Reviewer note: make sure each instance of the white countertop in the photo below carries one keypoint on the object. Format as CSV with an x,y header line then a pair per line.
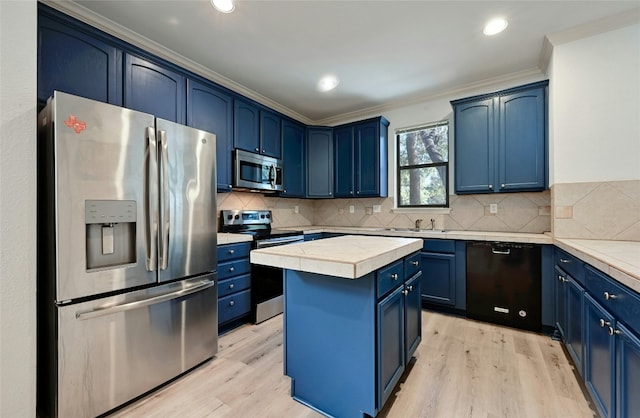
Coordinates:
x,y
225,238
347,256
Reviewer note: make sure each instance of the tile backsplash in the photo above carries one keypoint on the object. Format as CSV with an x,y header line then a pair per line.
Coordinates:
x,y
597,210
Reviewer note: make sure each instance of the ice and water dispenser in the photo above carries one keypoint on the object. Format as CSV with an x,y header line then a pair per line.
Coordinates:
x,y
110,233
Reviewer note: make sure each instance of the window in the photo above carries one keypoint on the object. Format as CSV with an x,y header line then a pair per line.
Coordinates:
x,y
423,165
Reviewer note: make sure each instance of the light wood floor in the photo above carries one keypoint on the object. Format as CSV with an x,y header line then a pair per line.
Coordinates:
x,y
462,368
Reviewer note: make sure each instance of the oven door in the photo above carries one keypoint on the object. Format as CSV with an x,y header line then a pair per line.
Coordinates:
x,y
256,172
267,298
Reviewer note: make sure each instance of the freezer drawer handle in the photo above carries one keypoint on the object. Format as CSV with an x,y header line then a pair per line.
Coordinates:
x,y
145,302
503,252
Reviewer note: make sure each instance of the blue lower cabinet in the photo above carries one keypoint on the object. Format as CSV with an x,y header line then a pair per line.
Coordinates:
x,y
234,284
439,278
233,306
600,356
627,373
347,342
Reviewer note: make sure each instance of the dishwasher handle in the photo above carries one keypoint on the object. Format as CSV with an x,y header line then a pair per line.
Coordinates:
x,y
502,252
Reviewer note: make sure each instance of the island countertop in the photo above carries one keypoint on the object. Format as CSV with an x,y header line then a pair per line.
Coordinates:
x,y
347,256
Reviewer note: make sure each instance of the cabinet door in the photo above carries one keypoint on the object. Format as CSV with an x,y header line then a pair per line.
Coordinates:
x,y
153,89
74,62
561,298
599,356
413,316
270,134
438,283
367,159
474,146
319,162
344,161
627,373
521,141
293,159
390,342
245,126
211,110
574,321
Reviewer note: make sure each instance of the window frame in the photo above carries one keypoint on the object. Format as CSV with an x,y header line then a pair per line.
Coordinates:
x,y
400,168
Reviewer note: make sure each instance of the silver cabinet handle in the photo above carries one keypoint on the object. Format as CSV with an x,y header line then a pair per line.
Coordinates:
x,y
564,260
231,286
231,303
144,302
405,292
410,288
609,296
151,199
613,331
491,187
415,263
603,323
232,251
232,268
502,186
257,149
394,276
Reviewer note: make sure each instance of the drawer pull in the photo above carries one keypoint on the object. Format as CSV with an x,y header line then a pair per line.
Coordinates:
x,y
410,288
394,276
232,251
613,332
231,303
232,268
415,263
231,286
609,296
564,260
603,323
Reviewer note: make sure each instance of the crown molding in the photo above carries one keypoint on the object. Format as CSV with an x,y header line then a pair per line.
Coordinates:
x,y
89,17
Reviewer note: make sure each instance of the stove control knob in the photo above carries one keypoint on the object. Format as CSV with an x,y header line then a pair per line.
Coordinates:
x,y
268,216
262,216
237,217
229,217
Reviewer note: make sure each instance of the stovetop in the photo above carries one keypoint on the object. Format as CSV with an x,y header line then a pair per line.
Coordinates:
x,y
253,222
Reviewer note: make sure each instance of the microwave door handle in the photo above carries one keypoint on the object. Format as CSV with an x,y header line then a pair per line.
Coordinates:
x,y
272,176
151,199
164,202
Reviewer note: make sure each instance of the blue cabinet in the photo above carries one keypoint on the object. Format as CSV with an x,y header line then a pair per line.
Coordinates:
x,y
256,130
390,342
293,159
360,159
501,141
234,284
211,109
600,356
155,89
627,373
443,280
319,162
75,61
412,315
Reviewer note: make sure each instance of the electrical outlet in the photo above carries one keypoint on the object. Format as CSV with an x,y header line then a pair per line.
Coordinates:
x,y
368,210
296,209
377,209
493,208
352,209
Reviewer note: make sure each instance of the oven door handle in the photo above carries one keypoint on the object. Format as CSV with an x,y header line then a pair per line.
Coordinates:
x,y
272,243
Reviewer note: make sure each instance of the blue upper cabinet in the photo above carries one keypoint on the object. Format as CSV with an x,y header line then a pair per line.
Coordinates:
x,y
501,141
75,62
270,134
343,147
211,110
151,88
319,162
246,123
293,159
360,159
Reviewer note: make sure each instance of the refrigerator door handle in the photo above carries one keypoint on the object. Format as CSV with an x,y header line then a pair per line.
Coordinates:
x,y
151,199
164,201
144,302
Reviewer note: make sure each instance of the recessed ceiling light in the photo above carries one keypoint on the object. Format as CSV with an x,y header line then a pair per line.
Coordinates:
x,y
224,6
328,82
495,26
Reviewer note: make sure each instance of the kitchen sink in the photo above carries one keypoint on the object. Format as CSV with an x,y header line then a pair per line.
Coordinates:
x,y
412,230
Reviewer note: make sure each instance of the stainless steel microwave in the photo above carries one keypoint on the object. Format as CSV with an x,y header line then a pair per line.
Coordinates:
x,y
256,172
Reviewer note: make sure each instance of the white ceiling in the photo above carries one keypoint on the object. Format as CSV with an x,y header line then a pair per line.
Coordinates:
x,y
384,52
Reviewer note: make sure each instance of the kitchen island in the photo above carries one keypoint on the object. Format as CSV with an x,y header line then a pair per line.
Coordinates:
x,y
352,319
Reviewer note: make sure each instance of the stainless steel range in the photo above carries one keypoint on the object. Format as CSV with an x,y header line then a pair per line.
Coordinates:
x,y
266,282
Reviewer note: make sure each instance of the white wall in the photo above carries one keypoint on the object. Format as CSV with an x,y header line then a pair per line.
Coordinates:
x,y
595,105
18,30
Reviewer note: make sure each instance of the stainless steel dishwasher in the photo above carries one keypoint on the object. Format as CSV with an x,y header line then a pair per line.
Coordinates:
x,y
504,284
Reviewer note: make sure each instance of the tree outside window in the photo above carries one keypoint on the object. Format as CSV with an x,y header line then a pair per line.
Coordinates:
x,y
423,165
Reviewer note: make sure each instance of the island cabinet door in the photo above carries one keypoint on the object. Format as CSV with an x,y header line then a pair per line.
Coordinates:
x,y
390,341
627,373
413,316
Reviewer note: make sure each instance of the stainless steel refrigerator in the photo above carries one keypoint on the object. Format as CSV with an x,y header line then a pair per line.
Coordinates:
x,y
127,295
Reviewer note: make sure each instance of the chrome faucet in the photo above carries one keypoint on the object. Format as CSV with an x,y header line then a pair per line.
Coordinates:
x,y
418,222
433,224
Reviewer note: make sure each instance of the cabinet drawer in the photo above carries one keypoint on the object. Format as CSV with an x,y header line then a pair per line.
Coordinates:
x,y
569,264
439,245
390,277
233,251
622,302
233,285
411,265
234,306
233,268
